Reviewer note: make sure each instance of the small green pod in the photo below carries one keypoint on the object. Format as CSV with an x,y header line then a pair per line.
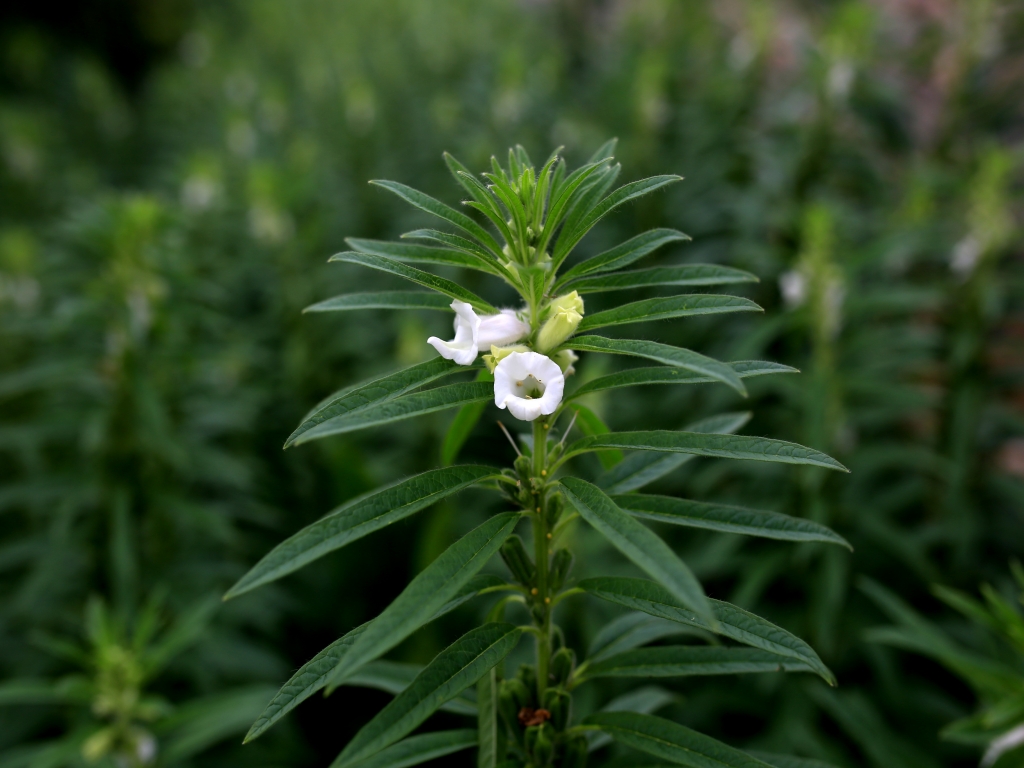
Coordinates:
x,y
559,703
518,561
561,565
562,664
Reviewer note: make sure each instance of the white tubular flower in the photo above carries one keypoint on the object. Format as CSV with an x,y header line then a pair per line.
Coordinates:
x,y
475,333
528,384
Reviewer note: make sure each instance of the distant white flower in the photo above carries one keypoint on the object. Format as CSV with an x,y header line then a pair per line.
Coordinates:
x,y
1009,740
475,333
528,384
793,286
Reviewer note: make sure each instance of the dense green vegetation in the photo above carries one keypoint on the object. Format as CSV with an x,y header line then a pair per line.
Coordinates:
x,y
160,239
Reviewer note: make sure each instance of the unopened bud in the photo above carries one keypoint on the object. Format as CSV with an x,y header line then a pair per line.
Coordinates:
x,y
500,353
565,360
564,316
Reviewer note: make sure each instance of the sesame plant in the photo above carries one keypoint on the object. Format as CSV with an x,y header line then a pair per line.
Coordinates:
x,y
523,358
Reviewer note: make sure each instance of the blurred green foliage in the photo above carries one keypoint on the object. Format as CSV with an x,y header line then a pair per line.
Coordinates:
x,y
157,247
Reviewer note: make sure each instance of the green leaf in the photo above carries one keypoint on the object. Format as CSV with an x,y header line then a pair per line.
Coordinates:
x,y
689,660
375,391
591,424
662,353
562,193
727,519
734,623
639,543
437,208
589,196
643,467
420,749
356,519
567,240
786,761
719,446
605,152
399,408
313,675
645,700
462,425
670,741
200,723
641,376
632,630
395,676
418,276
456,668
422,254
686,274
667,307
461,244
621,255
488,728
438,583
382,300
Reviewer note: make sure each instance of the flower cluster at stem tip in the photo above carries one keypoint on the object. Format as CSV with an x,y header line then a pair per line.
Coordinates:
x,y
526,382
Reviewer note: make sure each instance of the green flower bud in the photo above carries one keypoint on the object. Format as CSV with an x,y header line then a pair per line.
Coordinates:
x,y
514,554
565,360
562,664
561,564
540,743
564,315
500,353
559,704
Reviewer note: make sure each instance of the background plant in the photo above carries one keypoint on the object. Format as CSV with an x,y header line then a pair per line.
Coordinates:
x,y
254,130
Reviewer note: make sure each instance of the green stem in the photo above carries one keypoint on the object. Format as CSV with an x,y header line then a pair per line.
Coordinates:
x,y
541,558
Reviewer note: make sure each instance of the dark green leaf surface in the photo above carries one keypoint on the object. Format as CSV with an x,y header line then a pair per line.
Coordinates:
x,y
404,407
456,668
645,700
786,761
421,254
437,208
395,676
632,630
670,741
720,446
665,308
689,660
438,583
642,467
419,749
356,519
661,375
567,240
313,675
662,353
639,543
734,623
686,274
382,300
488,727
461,244
727,519
418,276
621,255
377,390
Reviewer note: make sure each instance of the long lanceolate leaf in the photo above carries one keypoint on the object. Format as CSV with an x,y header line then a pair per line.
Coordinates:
x,y
670,741
785,761
488,727
313,675
375,391
418,276
642,467
687,274
638,543
419,749
621,255
437,208
662,353
382,300
457,243
635,377
727,519
395,676
422,254
456,668
689,660
358,518
438,583
632,630
625,193
719,446
664,308
404,407
733,622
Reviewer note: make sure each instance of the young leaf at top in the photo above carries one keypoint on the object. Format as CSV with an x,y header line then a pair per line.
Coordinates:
x,y
453,670
356,519
639,544
438,583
